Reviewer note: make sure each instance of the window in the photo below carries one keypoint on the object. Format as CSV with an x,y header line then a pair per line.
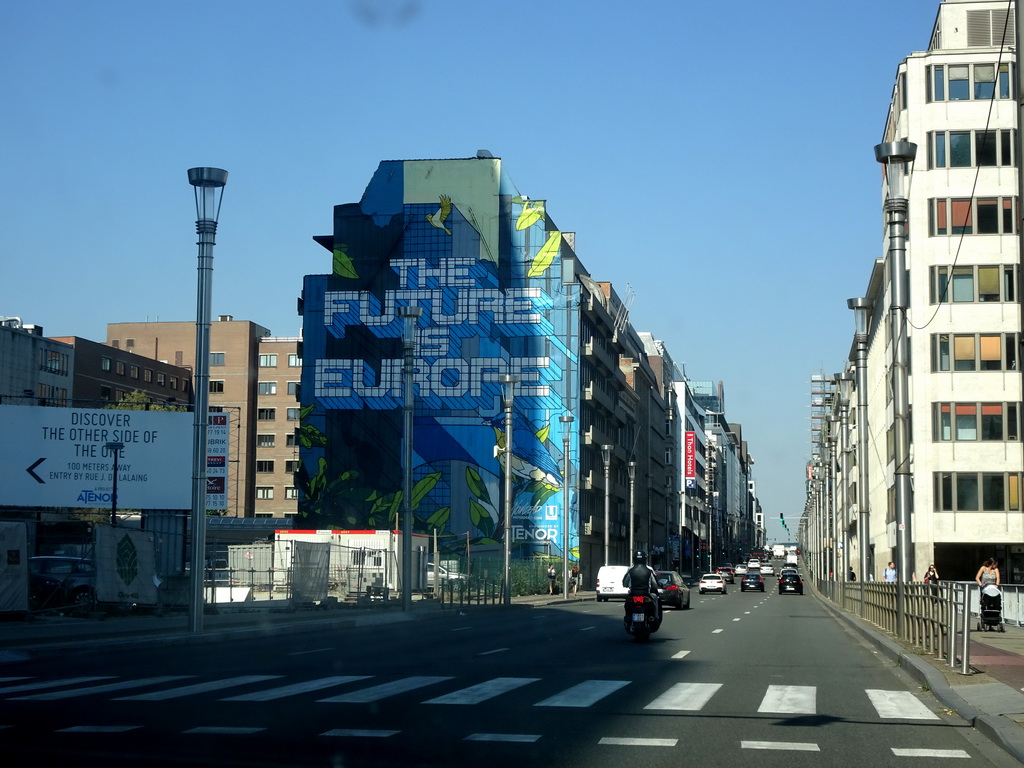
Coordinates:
x,y
965,82
294,361
268,387
974,352
147,375
266,414
265,466
161,379
980,283
264,492
216,386
268,361
293,388
291,493
105,393
975,421
976,491
959,82
265,441
133,371
291,467
216,358
119,368
174,382
291,440
985,147
964,216
293,414
105,363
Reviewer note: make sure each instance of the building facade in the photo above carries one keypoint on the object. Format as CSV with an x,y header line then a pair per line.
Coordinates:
x,y
956,101
34,369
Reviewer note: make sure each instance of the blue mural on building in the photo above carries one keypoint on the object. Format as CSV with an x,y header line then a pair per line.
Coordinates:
x,y
454,238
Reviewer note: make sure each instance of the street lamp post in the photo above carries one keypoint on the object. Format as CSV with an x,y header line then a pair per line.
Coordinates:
x,y
114,449
508,383
567,421
208,184
631,470
895,156
861,314
606,457
409,314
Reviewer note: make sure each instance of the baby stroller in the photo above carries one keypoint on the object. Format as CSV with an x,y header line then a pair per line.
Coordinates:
x,y
991,614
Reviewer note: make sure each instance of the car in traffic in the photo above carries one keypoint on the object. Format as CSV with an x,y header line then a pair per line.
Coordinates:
x,y
740,569
673,590
711,582
59,581
767,569
791,583
609,582
728,573
752,581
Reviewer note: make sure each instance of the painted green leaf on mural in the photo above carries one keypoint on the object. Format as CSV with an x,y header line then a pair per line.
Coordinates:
x,y
486,526
543,432
477,512
440,518
343,265
424,486
543,494
545,255
530,214
476,485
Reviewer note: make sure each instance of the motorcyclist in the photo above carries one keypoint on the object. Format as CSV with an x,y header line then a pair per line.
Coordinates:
x,y
642,580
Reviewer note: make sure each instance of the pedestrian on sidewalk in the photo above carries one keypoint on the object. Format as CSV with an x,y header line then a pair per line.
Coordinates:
x,y
552,574
988,574
931,576
889,574
574,578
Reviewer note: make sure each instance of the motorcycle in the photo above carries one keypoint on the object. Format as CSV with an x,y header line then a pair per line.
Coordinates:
x,y
641,619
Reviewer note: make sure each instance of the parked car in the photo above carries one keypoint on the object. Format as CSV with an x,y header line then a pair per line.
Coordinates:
x,y
728,573
711,582
446,576
752,581
791,582
59,581
609,582
673,590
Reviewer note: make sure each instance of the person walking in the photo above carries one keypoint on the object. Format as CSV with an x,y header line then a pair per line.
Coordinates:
x,y
988,574
552,574
889,574
851,575
574,578
931,576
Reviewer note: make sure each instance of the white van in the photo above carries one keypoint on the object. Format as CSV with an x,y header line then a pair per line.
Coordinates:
x,y
609,582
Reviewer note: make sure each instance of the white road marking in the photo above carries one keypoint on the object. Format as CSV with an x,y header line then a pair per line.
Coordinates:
x,y
461,629
359,732
622,741
483,691
188,690
519,737
106,688
736,619
716,631
382,691
795,746
930,753
291,690
680,655
587,629
99,728
583,695
315,650
496,650
224,729
52,684
11,679
899,705
685,696
789,700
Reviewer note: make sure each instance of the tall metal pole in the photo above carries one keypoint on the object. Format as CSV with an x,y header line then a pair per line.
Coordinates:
x,y
861,308
508,391
209,191
606,457
631,469
567,421
410,315
895,156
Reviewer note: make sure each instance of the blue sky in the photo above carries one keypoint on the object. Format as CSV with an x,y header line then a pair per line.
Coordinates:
x,y
715,158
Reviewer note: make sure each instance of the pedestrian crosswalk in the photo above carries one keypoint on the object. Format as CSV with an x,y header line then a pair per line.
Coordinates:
x,y
782,700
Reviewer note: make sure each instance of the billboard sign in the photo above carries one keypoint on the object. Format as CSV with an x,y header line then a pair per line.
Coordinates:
x,y
61,457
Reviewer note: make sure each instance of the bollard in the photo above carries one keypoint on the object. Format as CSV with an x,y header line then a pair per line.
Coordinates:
x,y
965,654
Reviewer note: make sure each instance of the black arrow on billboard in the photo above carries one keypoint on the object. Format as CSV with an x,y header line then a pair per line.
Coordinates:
x,y
38,479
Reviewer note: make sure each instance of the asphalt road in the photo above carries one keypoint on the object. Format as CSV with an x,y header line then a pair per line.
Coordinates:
x,y
739,679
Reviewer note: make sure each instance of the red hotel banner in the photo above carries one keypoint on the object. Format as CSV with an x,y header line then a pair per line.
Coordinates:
x,y
690,458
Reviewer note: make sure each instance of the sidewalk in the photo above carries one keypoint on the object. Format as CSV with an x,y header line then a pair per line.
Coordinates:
x,y
990,697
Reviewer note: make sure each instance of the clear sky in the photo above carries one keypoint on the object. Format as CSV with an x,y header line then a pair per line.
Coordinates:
x,y
714,158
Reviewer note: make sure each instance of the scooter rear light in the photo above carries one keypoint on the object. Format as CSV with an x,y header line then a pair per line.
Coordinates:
x,y
638,599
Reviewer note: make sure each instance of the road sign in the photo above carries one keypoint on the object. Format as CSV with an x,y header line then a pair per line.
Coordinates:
x,y
59,457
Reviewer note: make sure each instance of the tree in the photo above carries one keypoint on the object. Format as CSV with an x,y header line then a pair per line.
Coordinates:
x,y
137,400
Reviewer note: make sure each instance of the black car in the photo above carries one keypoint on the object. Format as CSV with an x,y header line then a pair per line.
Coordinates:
x,y
791,582
752,581
58,581
672,589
